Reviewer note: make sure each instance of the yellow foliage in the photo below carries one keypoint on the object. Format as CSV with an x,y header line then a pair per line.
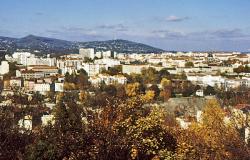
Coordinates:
x,y
69,86
59,96
82,96
132,89
149,96
165,82
210,139
149,132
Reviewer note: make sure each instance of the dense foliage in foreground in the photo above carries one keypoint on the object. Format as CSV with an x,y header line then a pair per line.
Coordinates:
x,y
122,129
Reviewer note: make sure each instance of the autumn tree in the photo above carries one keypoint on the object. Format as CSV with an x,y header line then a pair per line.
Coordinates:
x,y
213,138
134,89
129,130
149,75
149,96
166,89
156,90
69,86
121,92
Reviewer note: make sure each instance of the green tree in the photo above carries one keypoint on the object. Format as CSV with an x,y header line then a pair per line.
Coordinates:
x,y
64,139
163,73
12,141
189,64
113,70
82,79
149,75
209,90
12,71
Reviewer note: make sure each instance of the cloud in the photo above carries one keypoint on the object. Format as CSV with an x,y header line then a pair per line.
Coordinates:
x,y
173,18
230,34
220,34
75,29
116,27
39,13
168,34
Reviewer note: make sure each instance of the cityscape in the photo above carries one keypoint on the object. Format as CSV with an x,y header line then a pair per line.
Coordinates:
x,y
117,92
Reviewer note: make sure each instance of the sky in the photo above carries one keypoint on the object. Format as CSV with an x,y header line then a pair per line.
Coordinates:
x,y
181,25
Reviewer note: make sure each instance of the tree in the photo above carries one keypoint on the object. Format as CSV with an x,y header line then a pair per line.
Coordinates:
x,y
12,141
121,92
150,137
88,60
132,89
83,96
67,77
110,90
165,83
129,130
64,139
149,75
163,73
167,89
83,72
212,138
12,71
133,78
242,69
82,79
69,86
113,70
189,64
149,96
156,90
209,90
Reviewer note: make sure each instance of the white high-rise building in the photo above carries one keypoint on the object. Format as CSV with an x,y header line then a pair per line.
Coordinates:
x,y
87,52
21,57
107,54
93,69
4,68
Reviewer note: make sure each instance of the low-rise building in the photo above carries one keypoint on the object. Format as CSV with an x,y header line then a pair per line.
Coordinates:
x,y
58,87
29,74
46,119
29,85
15,82
41,87
108,79
26,122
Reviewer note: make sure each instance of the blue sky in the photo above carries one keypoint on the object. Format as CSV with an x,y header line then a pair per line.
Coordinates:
x,y
186,25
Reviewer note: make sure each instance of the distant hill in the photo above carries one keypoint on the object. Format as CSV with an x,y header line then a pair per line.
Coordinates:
x,y
51,45
121,46
7,43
